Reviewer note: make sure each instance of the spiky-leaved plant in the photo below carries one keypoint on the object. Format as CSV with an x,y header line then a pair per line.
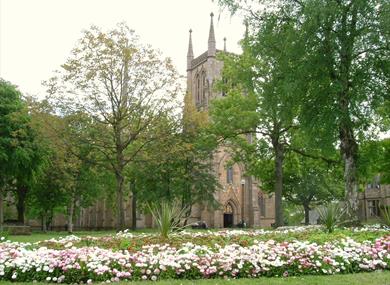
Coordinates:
x,y
330,216
167,216
385,215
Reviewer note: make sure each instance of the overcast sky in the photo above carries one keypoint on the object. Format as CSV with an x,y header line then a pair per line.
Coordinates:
x,y
37,36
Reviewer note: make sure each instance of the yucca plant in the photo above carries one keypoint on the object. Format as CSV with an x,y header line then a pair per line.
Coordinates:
x,y
167,216
385,215
330,216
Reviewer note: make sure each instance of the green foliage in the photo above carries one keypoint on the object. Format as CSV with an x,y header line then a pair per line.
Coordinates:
x,y
329,59
167,216
330,216
21,155
385,215
126,88
178,165
4,234
262,102
309,182
293,214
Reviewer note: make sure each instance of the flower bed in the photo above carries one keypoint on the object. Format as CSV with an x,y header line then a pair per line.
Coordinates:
x,y
25,262
135,241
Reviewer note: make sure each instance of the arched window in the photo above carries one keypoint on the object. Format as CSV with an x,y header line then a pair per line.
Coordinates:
x,y
229,175
204,88
198,87
224,86
228,209
262,205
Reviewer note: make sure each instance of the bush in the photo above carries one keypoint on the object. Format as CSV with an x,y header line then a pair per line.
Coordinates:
x,y
385,215
167,216
330,216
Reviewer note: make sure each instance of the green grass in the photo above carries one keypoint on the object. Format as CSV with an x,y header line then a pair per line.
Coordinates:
x,y
374,278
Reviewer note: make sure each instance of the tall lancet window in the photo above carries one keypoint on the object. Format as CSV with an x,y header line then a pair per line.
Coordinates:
x,y
197,90
261,202
229,175
204,88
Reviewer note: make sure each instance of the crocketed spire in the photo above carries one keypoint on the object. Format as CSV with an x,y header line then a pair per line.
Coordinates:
x,y
190,53
211,47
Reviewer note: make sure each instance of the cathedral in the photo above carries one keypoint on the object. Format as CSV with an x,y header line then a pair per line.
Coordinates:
x,y
240,197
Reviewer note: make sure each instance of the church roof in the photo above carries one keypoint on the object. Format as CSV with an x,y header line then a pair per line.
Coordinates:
x,y
201,59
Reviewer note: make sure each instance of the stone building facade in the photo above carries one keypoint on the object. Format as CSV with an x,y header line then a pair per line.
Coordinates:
x,y
375,196
241,198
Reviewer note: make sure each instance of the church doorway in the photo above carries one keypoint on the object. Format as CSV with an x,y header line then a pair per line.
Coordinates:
x,y
228,221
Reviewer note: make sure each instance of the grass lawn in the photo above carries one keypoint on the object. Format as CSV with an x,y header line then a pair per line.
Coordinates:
x,y
374,278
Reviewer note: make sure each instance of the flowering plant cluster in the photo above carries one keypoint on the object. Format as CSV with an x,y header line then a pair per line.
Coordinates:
x,y
22,262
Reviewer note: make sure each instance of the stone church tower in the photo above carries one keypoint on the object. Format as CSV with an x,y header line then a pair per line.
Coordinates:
x,y
240,198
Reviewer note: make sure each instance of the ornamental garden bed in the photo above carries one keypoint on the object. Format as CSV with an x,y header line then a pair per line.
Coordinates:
x,y
197,255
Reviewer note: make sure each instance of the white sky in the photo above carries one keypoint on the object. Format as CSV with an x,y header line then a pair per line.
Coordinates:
x,y
37,36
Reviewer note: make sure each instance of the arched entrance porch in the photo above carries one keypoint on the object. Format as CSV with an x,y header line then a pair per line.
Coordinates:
x,y
228,215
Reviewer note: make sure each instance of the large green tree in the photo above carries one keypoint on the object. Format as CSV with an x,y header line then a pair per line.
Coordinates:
x,y
311,182
73,176
125,87
259,116
344,69
21,156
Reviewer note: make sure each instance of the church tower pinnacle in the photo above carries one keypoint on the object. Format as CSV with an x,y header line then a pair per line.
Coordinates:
x,y
190,53
211,44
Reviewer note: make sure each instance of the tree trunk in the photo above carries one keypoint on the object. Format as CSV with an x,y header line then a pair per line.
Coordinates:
x,y
44,221
49,220
349,150
307,213
21,192
121,212
278,187
70,213
133,206
349,146
1,209
351,188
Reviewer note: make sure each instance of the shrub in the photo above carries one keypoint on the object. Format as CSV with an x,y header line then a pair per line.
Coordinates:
x,y
330,216
167,216
3,235
385,215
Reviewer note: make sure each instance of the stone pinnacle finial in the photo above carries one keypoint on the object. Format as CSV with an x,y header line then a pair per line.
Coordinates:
x,y
211,44
224,44
190,53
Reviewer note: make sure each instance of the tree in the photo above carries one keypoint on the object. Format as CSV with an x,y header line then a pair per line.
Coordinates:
x,y
21,157
374,160
344,70
259,115
350,43
125,87
310,182
72,177
178,167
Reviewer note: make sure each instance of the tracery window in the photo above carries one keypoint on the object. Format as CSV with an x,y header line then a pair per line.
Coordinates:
x,y
229,175
261,202
204,88
228,209
198,87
